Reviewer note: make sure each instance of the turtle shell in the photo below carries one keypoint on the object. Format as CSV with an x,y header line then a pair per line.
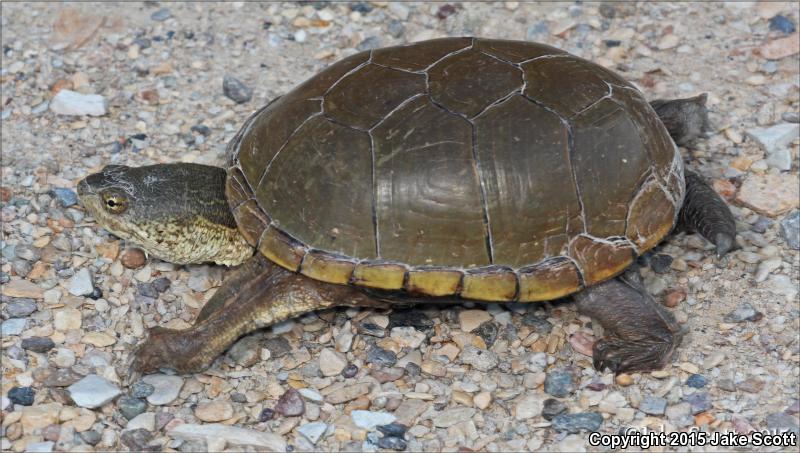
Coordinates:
x,y
491,170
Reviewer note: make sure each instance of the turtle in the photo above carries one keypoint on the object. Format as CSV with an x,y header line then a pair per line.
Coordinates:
x,y
448,170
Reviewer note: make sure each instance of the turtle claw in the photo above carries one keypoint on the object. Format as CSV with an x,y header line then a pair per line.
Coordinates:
x,y
724,243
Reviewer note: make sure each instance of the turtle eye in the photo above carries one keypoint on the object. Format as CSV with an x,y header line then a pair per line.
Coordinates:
x,y
115,203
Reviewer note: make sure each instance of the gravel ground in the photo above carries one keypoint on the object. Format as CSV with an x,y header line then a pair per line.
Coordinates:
x,y
77,300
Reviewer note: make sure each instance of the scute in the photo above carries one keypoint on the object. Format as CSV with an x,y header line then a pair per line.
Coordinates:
x,y
487,169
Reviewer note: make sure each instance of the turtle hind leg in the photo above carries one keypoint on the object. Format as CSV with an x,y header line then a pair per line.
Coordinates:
x,y
705,212
640,335
260,294
685,119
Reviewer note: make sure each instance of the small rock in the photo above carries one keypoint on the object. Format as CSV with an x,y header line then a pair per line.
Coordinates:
x,y
38,344
68,102
559,383
766,267
653,405
668,42
779,422
790,230
744,312
142,389
146,421
133,258
235,90
166,388
131,407
696,381
539,324
407,337
136,439
350,371
381,357
699,401
488,332
331,362
552,407
678,411
67,197
22,288
775,137
81,283
214,411
13,326
313,431
245,352
369,420
290,404
93,391
528,407
393,429
660,263
482,400
232,436
770,194
471,319
392,443
782,24
751,385
481,360
575,423
39,447
91,437
21,395
450,417
266,415
161,15
277,347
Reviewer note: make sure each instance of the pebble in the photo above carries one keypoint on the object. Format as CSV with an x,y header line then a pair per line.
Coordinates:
x,y
81,283
350,371
775,137
782,24
660,263
331,362
133,258
744,312
481,360
761,225
575,423
559,383
266,415
790,230
313,431
751,385
780,159
766,267
130,407
231,435
146,421
393,429
68,102
21,395
290,404
696,381
245,352
67,197
482,400
552,407
770,194
469,320
22,288
38,344
653,405
450,417
699,401
529,406
381,357
39,447
215,411
165,388
93,391
235,90
13,326
161,15
781,421
369,420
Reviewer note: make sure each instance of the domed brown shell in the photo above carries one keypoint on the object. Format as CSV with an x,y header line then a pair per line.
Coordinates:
x,y
492,170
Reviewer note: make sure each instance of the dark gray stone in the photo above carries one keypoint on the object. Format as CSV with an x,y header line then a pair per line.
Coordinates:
x,y
700,402
781,421
236,90
744,312
20,307
22,395
130,407
790,230
559,383
653,405
161,15
38,344
381,357
142,389
575,423
553,407
67,197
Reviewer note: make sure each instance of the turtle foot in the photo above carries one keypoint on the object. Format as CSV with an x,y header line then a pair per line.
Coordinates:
x,y
624,356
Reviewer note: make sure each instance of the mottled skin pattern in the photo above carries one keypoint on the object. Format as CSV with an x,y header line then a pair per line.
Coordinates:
x,y
640,334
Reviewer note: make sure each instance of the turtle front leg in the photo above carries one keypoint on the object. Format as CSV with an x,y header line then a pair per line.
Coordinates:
x,y
640,335
705,212
258,295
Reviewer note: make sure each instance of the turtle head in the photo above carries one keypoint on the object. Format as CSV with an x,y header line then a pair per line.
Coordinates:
x,y
176,212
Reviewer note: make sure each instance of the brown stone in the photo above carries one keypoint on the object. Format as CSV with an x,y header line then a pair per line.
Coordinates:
x,y
770,194
674,297
133,258
22,288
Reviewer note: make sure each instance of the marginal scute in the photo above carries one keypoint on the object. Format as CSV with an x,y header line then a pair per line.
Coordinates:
x,y
609,163
550,279
281,248
650,216
418,56
601,259
345,104
386,276
490,284
515,51
433,282
520,163
468,82
307,194
327,268
251,220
